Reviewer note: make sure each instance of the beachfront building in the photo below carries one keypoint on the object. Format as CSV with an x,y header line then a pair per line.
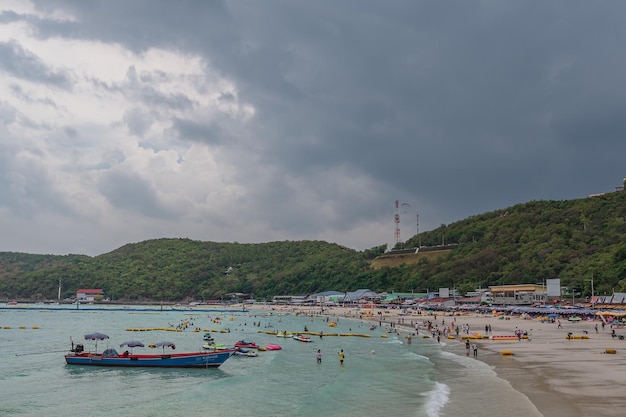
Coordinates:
x,y
615,301
289,299
89,294
328,298
403,298
521,294
361,296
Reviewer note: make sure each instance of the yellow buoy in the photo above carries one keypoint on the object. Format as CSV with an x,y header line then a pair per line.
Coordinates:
x,y
610,351
507,353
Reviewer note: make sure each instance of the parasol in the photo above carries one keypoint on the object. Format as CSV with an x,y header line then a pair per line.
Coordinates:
x,y
96,337
132,344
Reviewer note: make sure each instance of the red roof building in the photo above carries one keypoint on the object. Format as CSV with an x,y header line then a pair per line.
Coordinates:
x,y
87,294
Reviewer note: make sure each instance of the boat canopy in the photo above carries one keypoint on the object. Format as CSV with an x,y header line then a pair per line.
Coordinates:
x,y
110,353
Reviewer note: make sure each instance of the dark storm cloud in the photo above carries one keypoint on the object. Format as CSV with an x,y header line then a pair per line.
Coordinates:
x,y
140,87
194,131
132,193
21,63
460,106
139,24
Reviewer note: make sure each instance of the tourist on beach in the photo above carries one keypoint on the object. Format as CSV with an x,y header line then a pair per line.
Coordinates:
x,y
596,327
341,356
319,356
467,347
475,349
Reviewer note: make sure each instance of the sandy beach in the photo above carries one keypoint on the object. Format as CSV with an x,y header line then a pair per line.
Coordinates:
x,y
560,376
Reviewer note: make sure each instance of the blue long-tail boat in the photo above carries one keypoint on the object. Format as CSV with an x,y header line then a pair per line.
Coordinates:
x,y
110,357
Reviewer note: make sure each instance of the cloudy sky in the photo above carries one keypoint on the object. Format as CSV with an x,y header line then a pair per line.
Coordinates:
x,y
266,120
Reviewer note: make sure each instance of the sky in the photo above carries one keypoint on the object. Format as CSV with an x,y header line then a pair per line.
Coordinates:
x,y
256,121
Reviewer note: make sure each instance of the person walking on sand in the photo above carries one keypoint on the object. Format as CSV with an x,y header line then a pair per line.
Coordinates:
x,y
341,357
319,356
467,347
475,349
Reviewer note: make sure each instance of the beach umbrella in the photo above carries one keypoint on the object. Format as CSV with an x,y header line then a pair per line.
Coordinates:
x,y
132,344
96,337
553,315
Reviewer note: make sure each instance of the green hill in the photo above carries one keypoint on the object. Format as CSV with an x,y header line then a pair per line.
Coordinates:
x,y
526,243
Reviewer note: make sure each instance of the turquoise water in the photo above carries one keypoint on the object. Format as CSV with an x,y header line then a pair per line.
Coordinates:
x,y
379,375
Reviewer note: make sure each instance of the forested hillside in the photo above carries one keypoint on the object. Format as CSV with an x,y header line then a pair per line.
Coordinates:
x,y
527,243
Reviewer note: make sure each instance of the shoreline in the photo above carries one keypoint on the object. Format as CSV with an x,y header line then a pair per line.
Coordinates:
x,y
560,376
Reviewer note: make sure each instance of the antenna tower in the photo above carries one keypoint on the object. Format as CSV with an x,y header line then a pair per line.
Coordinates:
x,y
417,215
397,223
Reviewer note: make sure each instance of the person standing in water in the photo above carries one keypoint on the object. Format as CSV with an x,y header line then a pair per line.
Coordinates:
x,y
341,357
319,356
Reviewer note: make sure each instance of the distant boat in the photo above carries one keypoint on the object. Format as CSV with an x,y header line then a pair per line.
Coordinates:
x,y
245,352
214,346
244,344
271,346
301,338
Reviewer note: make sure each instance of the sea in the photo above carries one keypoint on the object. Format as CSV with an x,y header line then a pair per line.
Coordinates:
x,y
381,376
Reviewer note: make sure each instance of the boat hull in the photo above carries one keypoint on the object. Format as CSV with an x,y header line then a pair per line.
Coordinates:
x,y
175,360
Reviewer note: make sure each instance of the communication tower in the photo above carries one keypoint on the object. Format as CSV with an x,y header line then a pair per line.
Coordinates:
x,y
397,223
417,216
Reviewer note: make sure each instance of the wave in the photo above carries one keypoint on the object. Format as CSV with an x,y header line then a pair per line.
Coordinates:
x,y
437,399
418,356
475,366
